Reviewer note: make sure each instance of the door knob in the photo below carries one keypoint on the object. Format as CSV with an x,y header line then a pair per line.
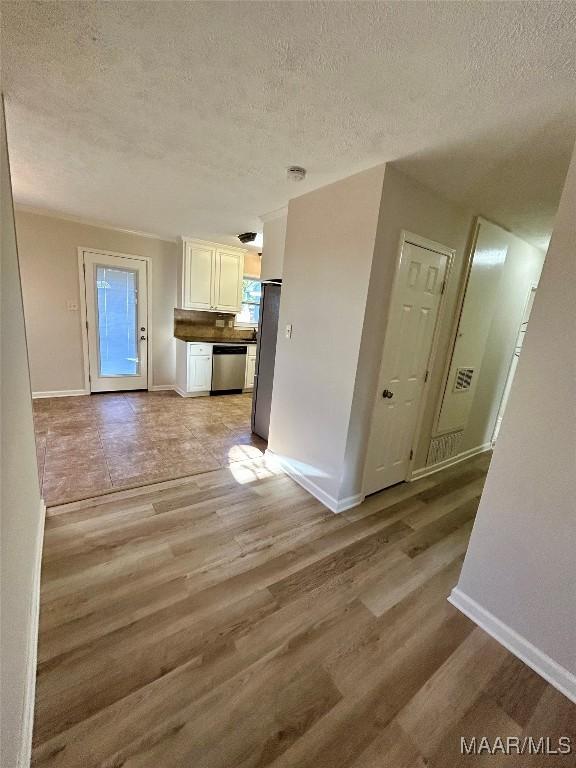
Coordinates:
x,y
387,393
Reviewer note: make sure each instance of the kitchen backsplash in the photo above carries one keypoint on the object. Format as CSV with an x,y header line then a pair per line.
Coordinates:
x,y
194,325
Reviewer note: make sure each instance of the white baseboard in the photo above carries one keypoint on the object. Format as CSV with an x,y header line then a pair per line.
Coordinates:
x,y
61,393
182,393
333,504
537,660
161,388
430,470
25,755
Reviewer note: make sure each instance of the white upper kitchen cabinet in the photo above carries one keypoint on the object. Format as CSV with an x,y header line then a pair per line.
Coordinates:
x,y
211,276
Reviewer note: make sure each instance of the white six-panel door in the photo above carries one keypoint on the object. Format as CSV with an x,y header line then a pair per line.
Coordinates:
x,y
413,313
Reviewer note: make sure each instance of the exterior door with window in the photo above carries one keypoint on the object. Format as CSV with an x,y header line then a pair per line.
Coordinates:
x,y
407,348
117,321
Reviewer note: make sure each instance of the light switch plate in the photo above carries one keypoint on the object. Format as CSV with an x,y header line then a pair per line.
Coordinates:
x,y
289,331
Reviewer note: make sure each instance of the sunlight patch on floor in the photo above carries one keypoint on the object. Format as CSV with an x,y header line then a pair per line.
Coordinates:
x,y
249,471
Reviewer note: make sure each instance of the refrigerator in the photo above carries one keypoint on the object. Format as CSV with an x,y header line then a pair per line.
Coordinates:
x,y
265,357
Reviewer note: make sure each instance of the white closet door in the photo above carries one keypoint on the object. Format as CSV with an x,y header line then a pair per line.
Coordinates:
x,y
407,348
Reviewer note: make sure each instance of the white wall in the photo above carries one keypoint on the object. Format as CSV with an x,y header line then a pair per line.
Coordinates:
x,y
252,264
341,250
274,236
49,262
330,242
21,509
520,566
406,204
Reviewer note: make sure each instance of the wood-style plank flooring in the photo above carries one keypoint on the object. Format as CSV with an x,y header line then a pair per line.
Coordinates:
x,y
228,620
96,444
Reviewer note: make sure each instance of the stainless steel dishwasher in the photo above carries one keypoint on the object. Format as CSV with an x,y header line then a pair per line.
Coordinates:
x,y
228,369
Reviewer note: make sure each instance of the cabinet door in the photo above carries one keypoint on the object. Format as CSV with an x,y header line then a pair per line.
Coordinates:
x,y
199,274
250,372
199,373
229,275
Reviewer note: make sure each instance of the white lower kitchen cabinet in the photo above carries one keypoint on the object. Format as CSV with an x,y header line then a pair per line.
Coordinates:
x,y
250,367
193,368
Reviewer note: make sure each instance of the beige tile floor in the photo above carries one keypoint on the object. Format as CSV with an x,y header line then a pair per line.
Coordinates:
x,y
100,443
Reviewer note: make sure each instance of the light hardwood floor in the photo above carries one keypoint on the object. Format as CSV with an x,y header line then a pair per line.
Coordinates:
x,y
230,621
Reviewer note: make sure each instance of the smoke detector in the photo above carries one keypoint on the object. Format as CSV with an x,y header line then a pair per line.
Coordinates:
x,y
295,173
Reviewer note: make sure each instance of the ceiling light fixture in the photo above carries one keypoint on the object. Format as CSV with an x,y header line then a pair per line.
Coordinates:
x,y
247,237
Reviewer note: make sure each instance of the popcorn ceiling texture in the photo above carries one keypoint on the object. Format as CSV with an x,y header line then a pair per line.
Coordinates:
x,y
180,118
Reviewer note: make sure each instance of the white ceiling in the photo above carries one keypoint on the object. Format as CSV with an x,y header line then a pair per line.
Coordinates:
x,y
181,117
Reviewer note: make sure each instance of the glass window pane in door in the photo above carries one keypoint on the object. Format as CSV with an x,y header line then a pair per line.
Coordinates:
x,y
117,321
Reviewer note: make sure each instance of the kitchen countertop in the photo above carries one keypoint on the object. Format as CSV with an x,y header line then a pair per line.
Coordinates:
x,y
196,340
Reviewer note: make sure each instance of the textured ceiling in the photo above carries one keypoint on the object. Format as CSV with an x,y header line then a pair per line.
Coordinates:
x,y
181,117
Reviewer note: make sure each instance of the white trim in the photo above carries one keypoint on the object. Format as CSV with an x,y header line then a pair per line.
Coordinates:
x,y
540,662
60,393
430,470
161,387
511,375
183,393
425,242
90,222
272,215
84,312
333,504
83,320
150,321
212,244
25,754
449,253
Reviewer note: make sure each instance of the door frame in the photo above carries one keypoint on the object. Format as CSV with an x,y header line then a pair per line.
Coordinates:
x,y
84,312
410,238
510,376
459,308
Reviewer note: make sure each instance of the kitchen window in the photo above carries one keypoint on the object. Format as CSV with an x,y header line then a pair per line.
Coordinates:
x,y
251,294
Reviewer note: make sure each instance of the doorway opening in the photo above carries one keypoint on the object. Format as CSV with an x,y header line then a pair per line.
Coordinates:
x,y
498,289
514,362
